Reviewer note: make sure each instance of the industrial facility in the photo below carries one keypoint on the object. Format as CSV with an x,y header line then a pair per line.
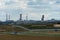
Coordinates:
x,y
21,21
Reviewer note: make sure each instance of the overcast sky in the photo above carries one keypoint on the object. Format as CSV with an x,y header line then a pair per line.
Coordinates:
x,y
33,8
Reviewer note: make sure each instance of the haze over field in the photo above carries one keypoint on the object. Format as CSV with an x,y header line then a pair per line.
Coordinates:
x,y
34,9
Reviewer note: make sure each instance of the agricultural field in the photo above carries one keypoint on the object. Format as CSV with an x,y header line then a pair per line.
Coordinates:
x,y
25,37
19,33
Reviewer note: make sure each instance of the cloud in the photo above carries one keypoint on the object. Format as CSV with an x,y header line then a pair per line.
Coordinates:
x,y
34,8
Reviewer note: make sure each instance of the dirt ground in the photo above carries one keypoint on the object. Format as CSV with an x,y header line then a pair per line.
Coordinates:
x,y
20,37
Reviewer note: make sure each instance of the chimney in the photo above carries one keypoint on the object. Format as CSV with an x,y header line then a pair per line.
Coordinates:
x,y
42,19
26,17
9,17
20,17
6,17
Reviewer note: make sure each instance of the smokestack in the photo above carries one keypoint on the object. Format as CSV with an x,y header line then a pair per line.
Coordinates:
x,y
9,17
6,17
20,17
26,17
42,19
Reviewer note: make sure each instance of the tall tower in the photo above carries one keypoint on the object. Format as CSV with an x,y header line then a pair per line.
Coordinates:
x,y
6,17
9,17
20,17
26,16
42,19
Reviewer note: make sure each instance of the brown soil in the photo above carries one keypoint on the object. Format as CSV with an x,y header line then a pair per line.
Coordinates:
x,y
58,32
20,37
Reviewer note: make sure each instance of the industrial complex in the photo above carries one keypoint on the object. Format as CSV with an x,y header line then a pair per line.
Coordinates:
x,y
21,21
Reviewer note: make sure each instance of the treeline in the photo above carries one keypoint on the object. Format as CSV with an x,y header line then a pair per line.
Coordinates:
x,y
39,26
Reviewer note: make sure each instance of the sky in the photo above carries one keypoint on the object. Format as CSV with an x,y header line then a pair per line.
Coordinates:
x,y
33,8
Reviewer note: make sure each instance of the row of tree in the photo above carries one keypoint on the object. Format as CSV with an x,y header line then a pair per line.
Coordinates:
x,y
42,26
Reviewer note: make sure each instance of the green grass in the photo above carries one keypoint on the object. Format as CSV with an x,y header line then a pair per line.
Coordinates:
x,y
29,33
38,34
